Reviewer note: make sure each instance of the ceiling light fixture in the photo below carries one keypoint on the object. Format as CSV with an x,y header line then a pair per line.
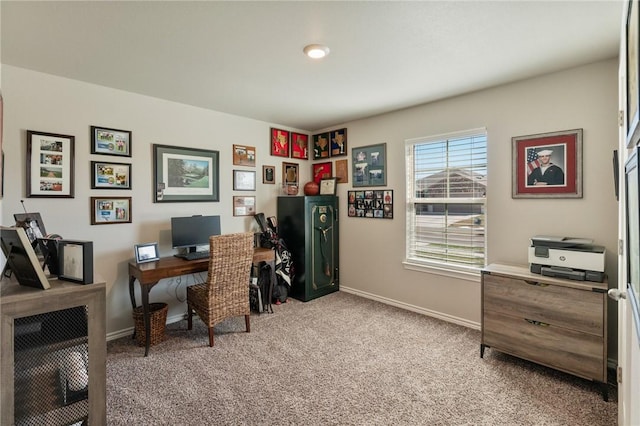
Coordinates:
x,y
316,51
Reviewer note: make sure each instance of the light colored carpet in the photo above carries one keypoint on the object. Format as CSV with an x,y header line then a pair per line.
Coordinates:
x,y
340,360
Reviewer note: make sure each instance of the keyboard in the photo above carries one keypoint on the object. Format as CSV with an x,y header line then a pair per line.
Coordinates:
x,y
194,255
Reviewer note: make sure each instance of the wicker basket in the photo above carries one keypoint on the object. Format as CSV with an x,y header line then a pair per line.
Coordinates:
x,y
157,321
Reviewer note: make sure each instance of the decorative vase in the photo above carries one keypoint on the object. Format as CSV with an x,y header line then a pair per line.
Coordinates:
x,y
311,188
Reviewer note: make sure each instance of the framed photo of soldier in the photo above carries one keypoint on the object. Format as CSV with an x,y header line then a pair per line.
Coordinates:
x,y
547,165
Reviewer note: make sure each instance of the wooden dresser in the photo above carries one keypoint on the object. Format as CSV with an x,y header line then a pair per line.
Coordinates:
x,y
554,322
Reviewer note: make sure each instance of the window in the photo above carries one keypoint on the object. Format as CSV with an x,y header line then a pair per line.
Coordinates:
x,y
446,194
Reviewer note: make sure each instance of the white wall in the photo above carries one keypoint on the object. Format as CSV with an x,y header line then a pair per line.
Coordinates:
x,y
36,101
371,250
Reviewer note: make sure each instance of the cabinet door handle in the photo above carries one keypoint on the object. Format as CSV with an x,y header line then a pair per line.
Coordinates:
x,y
538,323
536,283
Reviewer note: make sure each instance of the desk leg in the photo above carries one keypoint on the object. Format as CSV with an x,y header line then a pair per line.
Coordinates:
x,y
273,282
132,295
144,291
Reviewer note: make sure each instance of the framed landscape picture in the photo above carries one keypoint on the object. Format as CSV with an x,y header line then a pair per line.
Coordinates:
x,y
50,165
185,174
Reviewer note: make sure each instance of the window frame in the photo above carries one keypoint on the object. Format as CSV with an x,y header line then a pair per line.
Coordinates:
x,y
470,273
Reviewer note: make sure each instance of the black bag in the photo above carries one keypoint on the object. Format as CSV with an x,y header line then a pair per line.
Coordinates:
x,y
259,293
280,291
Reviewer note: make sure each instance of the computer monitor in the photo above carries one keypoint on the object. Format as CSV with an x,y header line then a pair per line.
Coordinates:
x,y
192,231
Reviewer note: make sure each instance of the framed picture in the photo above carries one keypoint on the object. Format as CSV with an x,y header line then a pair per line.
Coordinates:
x,y
299,146
32,224
328,186
75,261
269,174
49,249
289,173
342,171
633,93
338,142
279,142
105,211
321,171
244,155
547,165
244,180
377,204
110,175
146,252
110,141
244,206
369,165
185,174
50,159
21,258
321,146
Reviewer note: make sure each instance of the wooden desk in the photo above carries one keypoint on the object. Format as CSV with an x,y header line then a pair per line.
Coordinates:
x,y
149,274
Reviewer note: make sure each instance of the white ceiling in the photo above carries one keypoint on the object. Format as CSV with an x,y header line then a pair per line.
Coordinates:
x,y
245,58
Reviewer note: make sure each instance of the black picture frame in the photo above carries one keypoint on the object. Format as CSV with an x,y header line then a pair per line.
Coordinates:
x,y
328,186
107,141
147,252
49,249
338,140
50,165
22,261
370,203
108,175
33,224
185,174
75,261
110,210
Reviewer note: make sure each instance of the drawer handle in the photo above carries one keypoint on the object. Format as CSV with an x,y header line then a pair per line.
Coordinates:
x,y
538,323
536,283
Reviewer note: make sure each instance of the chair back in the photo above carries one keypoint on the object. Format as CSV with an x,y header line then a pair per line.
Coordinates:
x,y
230,260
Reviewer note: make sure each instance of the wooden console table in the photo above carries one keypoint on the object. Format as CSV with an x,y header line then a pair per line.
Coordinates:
x,y
149,274
40,329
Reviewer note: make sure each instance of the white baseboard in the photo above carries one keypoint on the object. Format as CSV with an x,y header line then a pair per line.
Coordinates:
x,y
439,315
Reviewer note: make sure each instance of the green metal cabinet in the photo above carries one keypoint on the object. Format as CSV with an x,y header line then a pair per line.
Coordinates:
x,y
309,227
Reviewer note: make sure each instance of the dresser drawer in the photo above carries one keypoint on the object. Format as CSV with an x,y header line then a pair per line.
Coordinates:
x,y
571,308
574,352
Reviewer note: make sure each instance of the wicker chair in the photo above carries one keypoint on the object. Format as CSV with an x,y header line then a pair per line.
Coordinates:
x,y
225,294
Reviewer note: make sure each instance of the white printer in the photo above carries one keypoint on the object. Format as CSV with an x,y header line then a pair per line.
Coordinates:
x,y
567,257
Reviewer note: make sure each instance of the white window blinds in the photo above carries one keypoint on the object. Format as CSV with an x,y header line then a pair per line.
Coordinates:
x,y
446,193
